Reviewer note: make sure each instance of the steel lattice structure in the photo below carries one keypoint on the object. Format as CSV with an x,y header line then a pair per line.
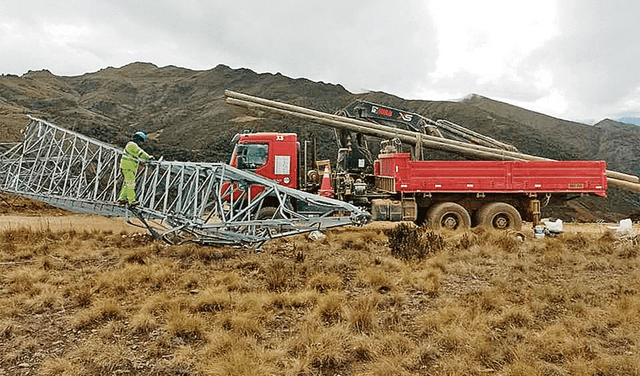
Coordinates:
x,y
209,203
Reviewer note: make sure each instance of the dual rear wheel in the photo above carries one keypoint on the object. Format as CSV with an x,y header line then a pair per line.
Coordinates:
x,y
452,216
449,216
500,216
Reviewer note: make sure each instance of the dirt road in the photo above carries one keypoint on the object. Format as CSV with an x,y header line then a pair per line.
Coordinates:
x,y
59,222
67,222
17,212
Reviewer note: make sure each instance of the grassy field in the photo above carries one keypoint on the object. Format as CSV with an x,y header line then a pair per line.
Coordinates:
x,y
362,301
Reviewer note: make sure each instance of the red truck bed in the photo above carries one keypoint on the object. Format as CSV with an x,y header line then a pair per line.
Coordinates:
x,y
397,173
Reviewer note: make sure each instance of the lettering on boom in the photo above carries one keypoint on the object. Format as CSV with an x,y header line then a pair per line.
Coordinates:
x,y
381,111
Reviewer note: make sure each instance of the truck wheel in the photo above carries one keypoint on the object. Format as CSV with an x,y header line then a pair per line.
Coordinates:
x,y
271,212
268,212
448,215
499,215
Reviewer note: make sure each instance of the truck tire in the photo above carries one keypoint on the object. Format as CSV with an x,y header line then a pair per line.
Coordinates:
x,y
268,212
448,215
271,212
499,215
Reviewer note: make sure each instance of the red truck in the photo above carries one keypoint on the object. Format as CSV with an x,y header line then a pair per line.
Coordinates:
x,y
447,194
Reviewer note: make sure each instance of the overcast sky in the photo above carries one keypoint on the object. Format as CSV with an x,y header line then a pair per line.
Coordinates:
x,y
573,59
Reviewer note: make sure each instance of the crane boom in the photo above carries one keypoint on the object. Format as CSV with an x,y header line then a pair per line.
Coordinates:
x,y
622,180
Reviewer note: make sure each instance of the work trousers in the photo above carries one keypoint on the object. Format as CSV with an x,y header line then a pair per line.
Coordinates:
x,y
128,191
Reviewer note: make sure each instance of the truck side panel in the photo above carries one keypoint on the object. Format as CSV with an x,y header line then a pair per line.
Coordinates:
x,y
560,176
403,175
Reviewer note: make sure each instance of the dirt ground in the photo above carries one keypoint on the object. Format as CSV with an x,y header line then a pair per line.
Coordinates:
x,y
17,212
86,223
90,223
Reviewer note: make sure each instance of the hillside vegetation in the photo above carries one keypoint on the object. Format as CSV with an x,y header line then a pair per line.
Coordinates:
x,y
184,112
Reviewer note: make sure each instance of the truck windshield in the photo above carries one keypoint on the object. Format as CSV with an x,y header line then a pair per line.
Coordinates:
x,y
251,156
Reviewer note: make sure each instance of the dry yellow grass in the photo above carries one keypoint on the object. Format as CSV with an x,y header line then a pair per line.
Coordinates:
x,y
482,302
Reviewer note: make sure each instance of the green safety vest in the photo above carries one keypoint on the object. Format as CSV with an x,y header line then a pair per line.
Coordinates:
x,y
132,152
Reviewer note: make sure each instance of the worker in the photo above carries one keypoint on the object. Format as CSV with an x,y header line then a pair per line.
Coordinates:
x,y
132,153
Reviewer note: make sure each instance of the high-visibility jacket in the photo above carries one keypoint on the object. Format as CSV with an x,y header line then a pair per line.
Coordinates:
x,y
132,152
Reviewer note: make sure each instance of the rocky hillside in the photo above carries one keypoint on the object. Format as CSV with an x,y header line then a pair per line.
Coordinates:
x,y
184,112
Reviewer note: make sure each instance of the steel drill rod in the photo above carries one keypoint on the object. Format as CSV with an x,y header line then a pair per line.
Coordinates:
x,y
295,110
384,131
631,186
374,129
364,130
477,137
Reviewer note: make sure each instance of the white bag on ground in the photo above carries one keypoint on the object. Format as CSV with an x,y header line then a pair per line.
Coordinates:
x,y
316,235
625,228
553,227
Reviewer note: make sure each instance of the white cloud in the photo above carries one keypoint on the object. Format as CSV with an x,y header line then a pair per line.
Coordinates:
x,y
553,103
490,48
572,59
65,34
489,39
595,59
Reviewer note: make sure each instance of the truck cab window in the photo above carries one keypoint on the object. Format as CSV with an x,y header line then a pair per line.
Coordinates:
x,y
252,156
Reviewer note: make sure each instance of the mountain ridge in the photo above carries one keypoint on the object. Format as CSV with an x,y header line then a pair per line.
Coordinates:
x,y
184,112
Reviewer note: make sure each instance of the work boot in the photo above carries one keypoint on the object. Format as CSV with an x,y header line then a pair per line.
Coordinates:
x,y
134,203
122,202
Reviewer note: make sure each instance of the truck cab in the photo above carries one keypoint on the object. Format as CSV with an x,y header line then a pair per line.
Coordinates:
x,y
272,155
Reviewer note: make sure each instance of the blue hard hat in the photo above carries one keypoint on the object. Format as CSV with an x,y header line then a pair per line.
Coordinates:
x,y
139,134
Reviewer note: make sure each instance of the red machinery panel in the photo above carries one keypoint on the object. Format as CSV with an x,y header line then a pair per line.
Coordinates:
x,y
404,175
272,155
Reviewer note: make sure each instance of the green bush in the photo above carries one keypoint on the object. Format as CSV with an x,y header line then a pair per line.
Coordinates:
x,y
409,242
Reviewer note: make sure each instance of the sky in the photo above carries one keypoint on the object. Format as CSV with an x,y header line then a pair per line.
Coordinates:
x,y
573,59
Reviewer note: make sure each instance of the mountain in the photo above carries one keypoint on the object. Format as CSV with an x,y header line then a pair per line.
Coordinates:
x,y
182,110
185,115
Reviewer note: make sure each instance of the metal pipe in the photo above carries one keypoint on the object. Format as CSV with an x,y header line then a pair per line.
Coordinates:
x,y
313,115
384,131
477,137
623,184
368,131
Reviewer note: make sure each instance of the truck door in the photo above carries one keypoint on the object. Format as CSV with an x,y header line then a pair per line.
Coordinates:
x,y
271,155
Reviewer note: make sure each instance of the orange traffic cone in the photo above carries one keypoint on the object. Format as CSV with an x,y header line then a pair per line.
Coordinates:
x,y
325,187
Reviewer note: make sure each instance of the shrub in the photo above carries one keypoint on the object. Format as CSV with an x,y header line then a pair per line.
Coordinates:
x,y
278,275
408,242
243,323
181,324
212,300
377,278
323,348
143,322
100,311
361,314
325,282
330,307
60,366
6,329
